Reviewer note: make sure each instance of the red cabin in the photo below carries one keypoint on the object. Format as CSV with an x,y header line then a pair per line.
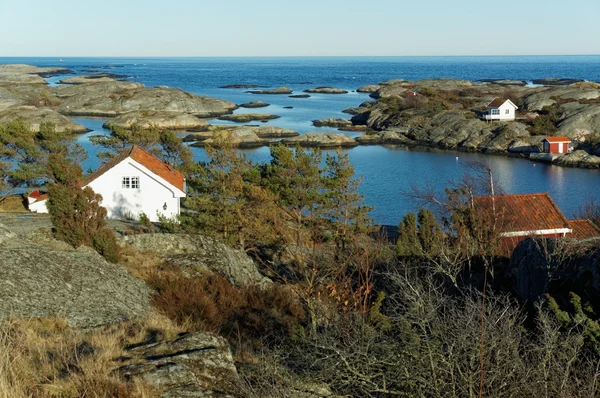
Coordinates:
x,y
556,144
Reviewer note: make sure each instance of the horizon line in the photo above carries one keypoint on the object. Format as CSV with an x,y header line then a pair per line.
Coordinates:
x,y
296,56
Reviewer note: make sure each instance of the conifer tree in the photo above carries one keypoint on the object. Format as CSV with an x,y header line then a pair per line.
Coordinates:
x,y
408,241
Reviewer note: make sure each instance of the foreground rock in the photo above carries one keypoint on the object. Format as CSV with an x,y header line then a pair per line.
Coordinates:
x,y
321,140
254,104
36,116
326,90
110,99
95,78
27,74
248,117
79,285
332,122
280,90
192,365
160,119
198,254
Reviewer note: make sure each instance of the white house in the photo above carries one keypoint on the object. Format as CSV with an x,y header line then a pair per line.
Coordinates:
x,y
132,183
501,109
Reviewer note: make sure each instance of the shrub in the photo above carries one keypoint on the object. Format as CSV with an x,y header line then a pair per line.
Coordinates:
x,y
105,243
145,220
245,316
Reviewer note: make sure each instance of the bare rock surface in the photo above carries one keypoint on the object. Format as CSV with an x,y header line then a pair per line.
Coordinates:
x,y
248,117
144,119
332,122
388,137
57,281
198,254
370,88
578,159
321,140
326,90
279,90
94,78
27,74
254,104
195,364
36,116
114,98
263,132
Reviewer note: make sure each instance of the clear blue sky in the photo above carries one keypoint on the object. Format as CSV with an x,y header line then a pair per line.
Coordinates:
x,y
297,27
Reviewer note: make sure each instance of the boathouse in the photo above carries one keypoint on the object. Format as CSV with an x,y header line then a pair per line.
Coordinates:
x,y
556,144
501,109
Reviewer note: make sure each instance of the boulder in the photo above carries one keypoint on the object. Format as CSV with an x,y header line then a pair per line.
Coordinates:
x,y
254,104
79,285
195,364
266,132
237,138
36,116
326,90
371,88
321,140
248,117
161,119
280,90
332,122
110,99
197,254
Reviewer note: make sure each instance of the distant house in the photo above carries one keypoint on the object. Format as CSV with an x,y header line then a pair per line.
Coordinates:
x,y
556,144
517,217
501,109
132,183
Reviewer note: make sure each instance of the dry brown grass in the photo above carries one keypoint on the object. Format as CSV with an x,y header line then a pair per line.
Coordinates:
x,y
141,264
12,204
47,358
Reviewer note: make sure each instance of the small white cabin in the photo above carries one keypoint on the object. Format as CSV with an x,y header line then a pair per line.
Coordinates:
x,y
501,109
132,183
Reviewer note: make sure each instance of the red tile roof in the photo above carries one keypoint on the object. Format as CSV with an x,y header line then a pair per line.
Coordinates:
x,y
584,229
159,168
497,102
557,139
38,196
35,194
521,213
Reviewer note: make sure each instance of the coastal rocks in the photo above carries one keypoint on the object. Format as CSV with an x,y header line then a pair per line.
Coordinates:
x,y
280,90
300,96
332,122
36,116
248,117
241,86
195,364
388,137
233,137
321,140
197,254
504,82
579,120
265,132
157,119
554,81
371,88
114,98
254,104
95,78
580,159
27,74
521,146
79,285
549,96
326,90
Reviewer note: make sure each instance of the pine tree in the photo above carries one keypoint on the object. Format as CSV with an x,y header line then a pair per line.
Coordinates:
x,y
408,240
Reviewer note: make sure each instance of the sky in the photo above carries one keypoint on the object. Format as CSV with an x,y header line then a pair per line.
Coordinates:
x,y
197,28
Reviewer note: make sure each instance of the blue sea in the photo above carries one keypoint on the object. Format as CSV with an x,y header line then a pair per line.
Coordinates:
x,y
388,173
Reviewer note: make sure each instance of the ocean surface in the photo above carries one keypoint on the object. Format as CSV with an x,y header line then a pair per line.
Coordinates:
x,y
388,173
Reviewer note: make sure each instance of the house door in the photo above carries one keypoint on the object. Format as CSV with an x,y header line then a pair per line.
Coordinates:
x,y
560,147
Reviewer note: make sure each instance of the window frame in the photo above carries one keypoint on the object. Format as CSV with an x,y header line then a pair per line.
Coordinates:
x,y
130,182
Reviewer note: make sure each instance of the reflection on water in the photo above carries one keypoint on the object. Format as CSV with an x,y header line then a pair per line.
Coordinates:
x,y
389,172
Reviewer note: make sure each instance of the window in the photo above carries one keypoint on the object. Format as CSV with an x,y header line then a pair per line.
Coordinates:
x,y
495,111
130,183
507,111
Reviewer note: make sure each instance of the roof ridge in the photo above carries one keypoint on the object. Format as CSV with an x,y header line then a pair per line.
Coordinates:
x,y
561,214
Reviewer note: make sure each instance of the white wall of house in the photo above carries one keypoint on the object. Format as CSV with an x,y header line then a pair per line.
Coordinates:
x,y
151,195
38,207
505,112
